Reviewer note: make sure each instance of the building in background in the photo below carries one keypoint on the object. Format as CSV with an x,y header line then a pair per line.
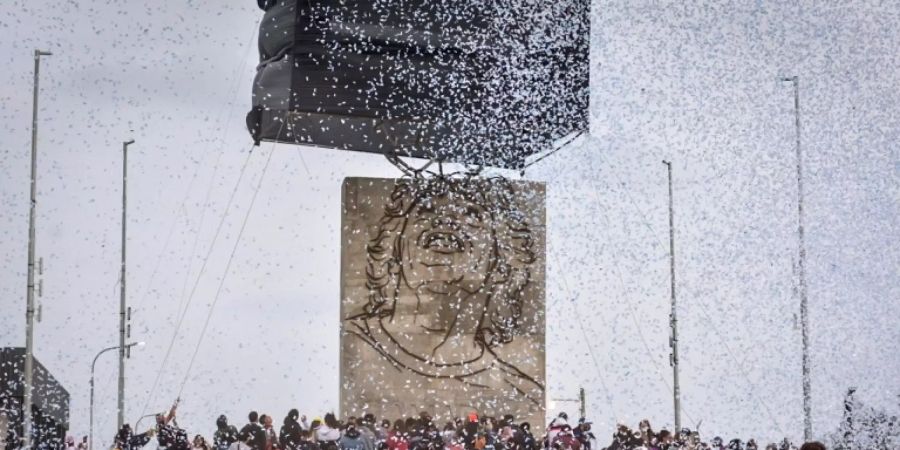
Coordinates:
x,y
50,404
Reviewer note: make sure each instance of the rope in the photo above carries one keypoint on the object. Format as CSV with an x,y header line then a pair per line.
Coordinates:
x,y
197,282
560,147
227,269
587,342
237,77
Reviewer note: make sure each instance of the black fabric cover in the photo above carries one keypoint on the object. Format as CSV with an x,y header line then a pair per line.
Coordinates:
x,y
484,82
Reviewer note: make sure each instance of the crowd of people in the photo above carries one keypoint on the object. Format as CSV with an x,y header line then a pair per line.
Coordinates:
x,y
422,432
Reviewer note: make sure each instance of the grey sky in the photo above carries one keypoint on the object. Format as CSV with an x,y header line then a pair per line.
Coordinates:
x,y
694,84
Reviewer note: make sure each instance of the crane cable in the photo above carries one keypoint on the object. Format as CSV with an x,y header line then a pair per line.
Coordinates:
x,y
225,275
237,77
587,342
197,282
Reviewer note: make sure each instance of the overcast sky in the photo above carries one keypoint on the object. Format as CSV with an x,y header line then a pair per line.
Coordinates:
x,y
698,85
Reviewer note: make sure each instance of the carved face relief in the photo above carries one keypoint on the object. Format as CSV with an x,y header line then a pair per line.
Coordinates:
x,y
447,295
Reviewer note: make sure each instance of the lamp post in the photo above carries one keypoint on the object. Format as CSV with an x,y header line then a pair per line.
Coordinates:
x,y
122,306
804,301
91,426
29,296
673,315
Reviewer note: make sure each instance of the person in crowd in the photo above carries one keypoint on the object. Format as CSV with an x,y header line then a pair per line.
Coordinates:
x,y
413,433
199,443
126,440
470,430
168,434
303,423
717,444
691,439
480,441
225,434
370,428
329,430
314,429
289,438
253,434
565,440
242,442
523,439
583,433
624,439
432,438
506,431
83,445
490,434
269,429
366,432
558,424
398,438
814,445
786,445
448,435
647,434
328,433
352,439
384,432
307,442
664,440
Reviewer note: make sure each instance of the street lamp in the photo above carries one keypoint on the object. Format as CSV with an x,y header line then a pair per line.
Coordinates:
x,y
91,428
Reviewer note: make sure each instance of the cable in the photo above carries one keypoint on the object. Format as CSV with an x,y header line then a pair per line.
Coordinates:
x,y
587,342
238,76
560,147
193,251
227,269
197,282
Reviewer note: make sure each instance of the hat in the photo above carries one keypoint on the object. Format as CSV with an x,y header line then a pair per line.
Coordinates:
x,y
583,421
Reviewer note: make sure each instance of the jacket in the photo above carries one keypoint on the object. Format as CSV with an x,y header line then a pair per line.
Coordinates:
x,y
352,440
289,437
257,436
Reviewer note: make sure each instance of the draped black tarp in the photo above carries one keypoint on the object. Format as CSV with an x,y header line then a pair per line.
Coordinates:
x,y
476,81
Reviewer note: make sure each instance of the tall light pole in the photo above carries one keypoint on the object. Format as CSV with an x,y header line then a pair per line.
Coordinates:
x,y
93,363
673,316
29,296
804,306
122,306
